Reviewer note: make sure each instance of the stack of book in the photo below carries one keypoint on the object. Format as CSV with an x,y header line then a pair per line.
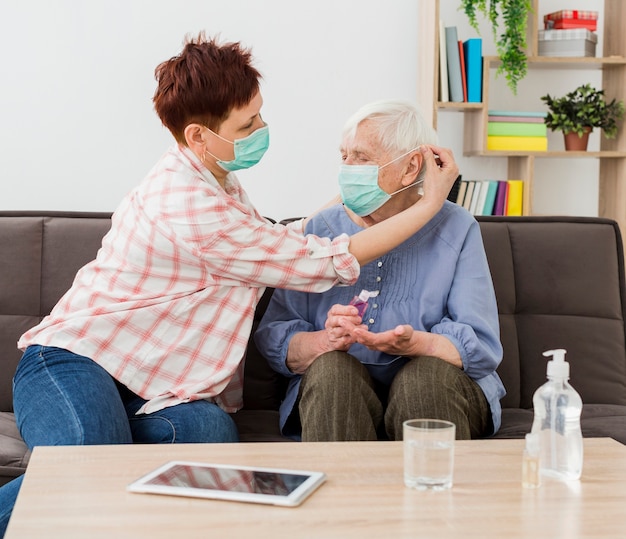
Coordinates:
x,y
517,131
491,197
460,67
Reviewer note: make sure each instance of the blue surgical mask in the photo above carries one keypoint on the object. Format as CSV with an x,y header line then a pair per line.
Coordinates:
x,y
359,189
248,150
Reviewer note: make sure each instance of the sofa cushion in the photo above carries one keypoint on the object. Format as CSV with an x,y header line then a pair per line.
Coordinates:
x,y
14,454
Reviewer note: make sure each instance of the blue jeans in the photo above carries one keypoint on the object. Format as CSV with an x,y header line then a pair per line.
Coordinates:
x,y
61,398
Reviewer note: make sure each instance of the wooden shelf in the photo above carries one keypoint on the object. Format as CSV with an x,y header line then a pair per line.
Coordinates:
x,y
612,153
569,62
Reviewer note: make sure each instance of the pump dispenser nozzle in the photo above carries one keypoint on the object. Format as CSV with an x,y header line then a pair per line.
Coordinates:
x,y
557,366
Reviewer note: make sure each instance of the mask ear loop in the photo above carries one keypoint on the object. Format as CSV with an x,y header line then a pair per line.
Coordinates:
x,y
400,157
416,182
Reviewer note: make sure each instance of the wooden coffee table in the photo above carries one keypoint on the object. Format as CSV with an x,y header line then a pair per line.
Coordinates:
x,y
80,492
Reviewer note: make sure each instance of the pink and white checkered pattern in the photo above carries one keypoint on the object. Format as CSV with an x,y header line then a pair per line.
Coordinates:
x,y
167,305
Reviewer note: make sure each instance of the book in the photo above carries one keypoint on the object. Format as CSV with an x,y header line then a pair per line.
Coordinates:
x,y
463,72
482,197
443,65
469,193
517,113
461,194
519,129
500,203
454,65
516,119
474,69
475,196
454,190
515,197
490,197
521,144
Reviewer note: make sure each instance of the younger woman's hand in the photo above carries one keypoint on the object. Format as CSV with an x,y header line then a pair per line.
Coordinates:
x,y
441,173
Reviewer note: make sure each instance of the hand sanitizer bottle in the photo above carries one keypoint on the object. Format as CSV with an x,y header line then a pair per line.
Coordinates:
x,y
360,301
557,421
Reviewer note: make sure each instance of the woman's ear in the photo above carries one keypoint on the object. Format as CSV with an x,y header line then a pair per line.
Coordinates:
x,y
193,138
413,167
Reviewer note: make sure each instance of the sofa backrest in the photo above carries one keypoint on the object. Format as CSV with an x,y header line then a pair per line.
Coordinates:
x,y
40,252
559,283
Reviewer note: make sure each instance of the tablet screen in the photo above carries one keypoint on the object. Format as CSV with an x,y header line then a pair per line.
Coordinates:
x,y
230,479
240,483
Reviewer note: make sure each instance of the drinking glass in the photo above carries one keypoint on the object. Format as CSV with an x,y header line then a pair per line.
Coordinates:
x,y
428,453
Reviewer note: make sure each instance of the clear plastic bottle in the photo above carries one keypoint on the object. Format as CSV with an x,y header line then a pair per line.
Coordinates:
x,y
557,421
531,462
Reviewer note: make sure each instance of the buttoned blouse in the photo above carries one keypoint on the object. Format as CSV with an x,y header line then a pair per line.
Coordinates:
x,y
437,281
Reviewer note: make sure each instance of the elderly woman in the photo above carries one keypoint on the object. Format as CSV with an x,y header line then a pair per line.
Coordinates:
x,y
147,344
428,343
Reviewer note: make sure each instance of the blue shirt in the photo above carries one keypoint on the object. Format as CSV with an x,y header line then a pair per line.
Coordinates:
x,y
438,281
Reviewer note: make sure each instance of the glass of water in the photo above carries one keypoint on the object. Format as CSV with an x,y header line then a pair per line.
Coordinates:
x,y
428,453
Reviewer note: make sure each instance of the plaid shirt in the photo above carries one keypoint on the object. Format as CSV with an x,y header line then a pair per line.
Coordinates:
x,y
167,305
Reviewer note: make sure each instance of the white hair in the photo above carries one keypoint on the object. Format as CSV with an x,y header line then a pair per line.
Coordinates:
x,y
401,126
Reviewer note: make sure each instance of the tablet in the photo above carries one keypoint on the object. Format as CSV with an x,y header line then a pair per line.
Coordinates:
x,y
225,482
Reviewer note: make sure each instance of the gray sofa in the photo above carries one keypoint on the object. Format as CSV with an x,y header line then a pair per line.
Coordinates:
x,y
559,283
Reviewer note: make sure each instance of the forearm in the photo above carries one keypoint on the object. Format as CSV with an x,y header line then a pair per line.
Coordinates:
x,y
431,344
375,241
304,348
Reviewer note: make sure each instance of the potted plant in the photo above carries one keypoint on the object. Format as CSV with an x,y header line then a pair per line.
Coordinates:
x,y
511,44
578,112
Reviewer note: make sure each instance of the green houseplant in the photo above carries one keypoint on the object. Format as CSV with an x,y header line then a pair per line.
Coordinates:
x,y
511,43
578,112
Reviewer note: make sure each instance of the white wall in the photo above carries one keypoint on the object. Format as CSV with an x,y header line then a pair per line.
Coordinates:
x,y
77,128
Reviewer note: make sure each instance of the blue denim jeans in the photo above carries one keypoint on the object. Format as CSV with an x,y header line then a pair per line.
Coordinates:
x,y
61,398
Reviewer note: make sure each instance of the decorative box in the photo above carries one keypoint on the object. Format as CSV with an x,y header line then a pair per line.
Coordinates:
x,y
571,18
573,42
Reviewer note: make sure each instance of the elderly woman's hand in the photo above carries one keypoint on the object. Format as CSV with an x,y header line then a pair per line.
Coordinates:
x,y
341,322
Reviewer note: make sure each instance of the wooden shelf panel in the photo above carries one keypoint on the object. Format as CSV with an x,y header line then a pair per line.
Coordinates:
x,y
460,106
570,62
549,154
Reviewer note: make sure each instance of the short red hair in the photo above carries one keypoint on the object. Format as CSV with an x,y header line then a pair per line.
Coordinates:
x,y
203,84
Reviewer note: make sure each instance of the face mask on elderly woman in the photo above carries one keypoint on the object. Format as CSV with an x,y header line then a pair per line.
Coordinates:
x,y
359,189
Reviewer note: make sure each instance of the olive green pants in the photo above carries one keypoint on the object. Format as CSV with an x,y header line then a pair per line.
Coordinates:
x,y
339,401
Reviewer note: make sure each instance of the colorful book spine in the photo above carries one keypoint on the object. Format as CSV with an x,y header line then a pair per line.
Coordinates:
x,y
454,190
516,119
469,193
517,129
461,195
455,83
475,197
463,71
501,196
514,205
443,65
520,144
473,49
518,113
490,197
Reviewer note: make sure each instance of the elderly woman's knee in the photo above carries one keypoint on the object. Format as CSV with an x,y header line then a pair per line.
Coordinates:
x,y
334,370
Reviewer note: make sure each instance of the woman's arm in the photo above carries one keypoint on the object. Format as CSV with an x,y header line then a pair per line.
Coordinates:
x,y
376,240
